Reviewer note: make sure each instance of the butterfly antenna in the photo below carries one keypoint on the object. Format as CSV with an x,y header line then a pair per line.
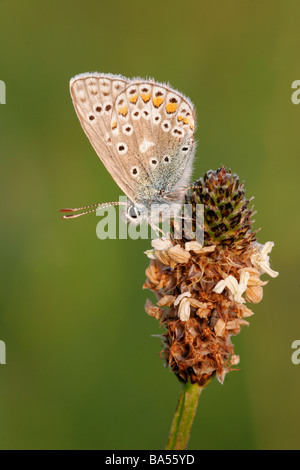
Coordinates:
x,y
95,207
191,187
157,230
186,188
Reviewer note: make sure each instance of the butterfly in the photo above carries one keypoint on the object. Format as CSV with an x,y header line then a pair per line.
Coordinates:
x,y
143,132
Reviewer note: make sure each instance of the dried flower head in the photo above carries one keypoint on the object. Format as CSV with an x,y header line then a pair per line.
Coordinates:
x,y
202,290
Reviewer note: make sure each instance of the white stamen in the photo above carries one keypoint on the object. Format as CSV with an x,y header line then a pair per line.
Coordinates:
x,y
150,254
235,360
235,288
184,310
181,296
198,248
193,246
261,259
161,244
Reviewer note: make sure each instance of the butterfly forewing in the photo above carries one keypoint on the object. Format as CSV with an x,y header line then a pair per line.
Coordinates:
x,y
93,96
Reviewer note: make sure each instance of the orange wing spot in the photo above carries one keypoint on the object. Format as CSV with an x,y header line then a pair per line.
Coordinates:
x,y
171,108
192,126
157,101
186,120
123,111
180,118
114,124
146,97
134,98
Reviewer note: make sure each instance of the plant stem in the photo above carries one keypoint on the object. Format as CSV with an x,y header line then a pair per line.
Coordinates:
x,y
184,417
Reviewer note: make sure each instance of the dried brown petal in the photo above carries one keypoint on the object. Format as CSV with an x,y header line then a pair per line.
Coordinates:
x,y
178,254
254,294
153,272
203,312
220,327
163,257
153,310
197,304
166,301
246,312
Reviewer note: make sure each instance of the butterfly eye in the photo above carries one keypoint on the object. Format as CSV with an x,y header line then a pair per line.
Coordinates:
x,y
166,159
133,212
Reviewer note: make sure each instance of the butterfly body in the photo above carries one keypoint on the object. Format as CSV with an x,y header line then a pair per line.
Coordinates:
x,y
142,131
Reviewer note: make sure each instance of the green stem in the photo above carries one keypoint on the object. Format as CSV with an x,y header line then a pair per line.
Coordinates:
x,y
184,417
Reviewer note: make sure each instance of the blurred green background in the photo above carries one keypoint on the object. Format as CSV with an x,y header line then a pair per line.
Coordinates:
x,y
83,371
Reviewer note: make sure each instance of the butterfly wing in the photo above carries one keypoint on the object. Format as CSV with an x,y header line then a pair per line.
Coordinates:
x,y
93,97
142,131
